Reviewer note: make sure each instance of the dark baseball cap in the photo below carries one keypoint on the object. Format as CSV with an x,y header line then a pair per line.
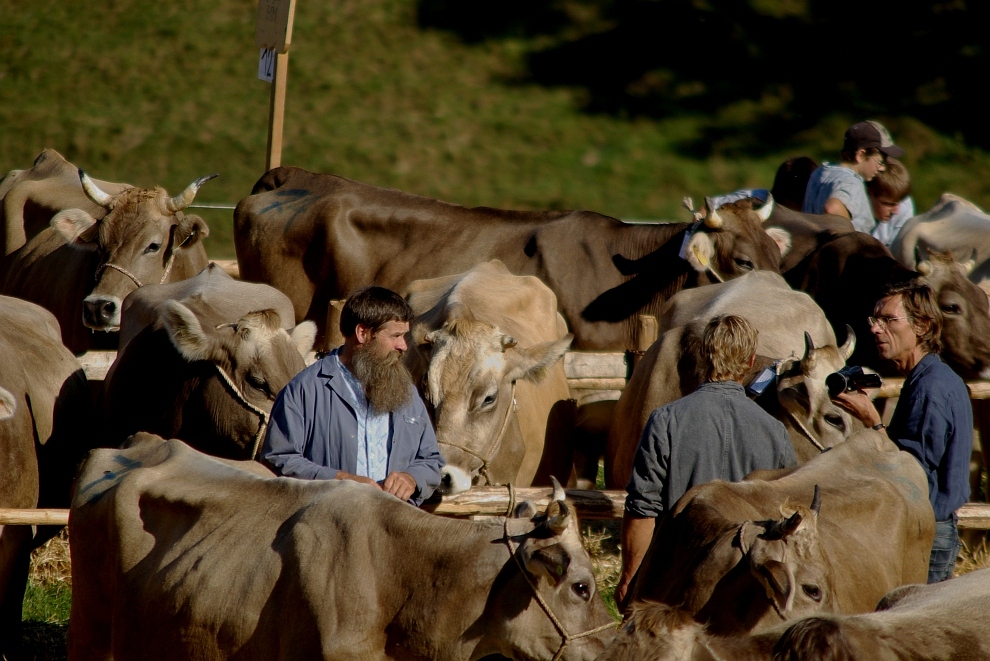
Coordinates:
x,y
871,135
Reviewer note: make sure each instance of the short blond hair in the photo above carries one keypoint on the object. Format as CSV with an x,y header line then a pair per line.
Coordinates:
x,y
727,345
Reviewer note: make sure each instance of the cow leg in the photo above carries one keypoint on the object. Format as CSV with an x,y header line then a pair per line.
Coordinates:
x,y
15,556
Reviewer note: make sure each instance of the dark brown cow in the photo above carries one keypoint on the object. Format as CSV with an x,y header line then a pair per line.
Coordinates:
x,y
202,360
318,237
179,556
743,556
45,419
83,266
846,272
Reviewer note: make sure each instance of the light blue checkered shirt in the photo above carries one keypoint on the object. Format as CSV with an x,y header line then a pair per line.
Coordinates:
x,y
373,430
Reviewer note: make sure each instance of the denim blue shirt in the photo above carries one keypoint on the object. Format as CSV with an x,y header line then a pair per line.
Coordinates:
x,y
313,432
715,433
933,421
844,185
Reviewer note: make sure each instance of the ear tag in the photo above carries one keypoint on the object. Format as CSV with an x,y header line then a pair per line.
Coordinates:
x,y
560,570
702,259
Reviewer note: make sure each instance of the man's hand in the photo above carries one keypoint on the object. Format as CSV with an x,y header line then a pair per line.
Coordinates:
x,y
858,403
342,475
400,485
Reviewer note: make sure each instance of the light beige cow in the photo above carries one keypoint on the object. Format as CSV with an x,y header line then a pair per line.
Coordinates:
x,y
486,353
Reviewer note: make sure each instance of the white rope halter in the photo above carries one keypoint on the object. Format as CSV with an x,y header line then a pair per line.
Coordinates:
x,y
110,265
262,414
565,637
493,450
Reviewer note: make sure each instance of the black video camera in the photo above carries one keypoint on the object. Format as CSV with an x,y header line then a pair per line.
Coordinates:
x,y
849,378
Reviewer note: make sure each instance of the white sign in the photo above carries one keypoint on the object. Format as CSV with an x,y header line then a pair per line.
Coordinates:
x,y
266,65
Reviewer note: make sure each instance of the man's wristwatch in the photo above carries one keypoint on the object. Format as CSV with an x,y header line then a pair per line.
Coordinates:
x,y
878,426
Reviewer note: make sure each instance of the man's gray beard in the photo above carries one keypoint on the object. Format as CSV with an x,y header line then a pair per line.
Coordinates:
x,y
386,381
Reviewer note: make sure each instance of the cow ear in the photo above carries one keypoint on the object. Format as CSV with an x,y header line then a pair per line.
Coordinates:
x,y
8,404
782,238
525,510
534,363
776,581
748,532
550,561
303,336
190,230
700,252
186,333
74,226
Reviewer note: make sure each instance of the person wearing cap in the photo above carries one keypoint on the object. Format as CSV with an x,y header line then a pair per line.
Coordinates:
x,y
840,189
890,197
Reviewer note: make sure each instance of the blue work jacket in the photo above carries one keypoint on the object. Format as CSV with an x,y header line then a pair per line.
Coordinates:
x,y
313,429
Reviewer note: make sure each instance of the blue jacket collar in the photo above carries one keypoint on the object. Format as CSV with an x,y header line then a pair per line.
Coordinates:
x,y
330,371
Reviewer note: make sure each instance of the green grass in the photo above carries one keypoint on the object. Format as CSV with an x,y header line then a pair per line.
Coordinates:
x,y
161,93
47,603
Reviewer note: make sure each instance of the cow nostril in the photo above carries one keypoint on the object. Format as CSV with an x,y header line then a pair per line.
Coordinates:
x,y
107,309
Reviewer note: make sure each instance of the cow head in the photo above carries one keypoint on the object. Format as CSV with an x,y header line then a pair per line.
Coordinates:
x,y
245,365
550,561
657,632
137,242
730,242
467,370
785,558
966,323
802,392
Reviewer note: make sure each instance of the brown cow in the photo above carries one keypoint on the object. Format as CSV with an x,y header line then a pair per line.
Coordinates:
x,y
202,360
45,420
82,266
743,556
179,556
486,351
792,328
318,237
946,620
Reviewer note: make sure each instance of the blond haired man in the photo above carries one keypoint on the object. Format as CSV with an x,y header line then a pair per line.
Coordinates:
x,y
715,433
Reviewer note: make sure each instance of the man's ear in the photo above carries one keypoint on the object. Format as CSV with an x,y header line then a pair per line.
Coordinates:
x,y
363,334
189,230
74,226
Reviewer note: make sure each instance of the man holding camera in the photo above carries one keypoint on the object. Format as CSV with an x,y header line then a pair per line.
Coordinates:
x,y
933,419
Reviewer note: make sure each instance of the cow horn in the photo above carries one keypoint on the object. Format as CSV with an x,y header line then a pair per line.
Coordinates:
x,y
186,197
712,220
766,209
846,350
558,513
93,191
558,491
816,501
808,362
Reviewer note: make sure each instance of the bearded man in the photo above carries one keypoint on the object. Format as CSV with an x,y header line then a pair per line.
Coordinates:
x,y
355,414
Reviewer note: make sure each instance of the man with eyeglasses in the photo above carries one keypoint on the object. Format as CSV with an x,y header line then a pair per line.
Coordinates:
x,y
841,189
933,419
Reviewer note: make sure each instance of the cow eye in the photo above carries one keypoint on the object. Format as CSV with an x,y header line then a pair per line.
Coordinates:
x,y
489,400
834,420
152,247
813,591
582,590
259,384
951,308
743,263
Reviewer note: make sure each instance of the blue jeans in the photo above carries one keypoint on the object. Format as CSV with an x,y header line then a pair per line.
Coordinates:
x,y
945,550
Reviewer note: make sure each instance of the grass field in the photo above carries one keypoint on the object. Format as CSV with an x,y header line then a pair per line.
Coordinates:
x,y
161,93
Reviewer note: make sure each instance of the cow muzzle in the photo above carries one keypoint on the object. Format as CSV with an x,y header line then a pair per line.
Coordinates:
x,y
453,481
102,313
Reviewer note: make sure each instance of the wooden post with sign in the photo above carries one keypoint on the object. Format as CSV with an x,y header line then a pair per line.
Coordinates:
x,y
273,34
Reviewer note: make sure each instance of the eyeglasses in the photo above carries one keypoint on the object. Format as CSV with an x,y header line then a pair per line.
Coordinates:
x,y
881,159
882,321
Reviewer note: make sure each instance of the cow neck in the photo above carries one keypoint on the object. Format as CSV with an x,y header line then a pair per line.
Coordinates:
x,y
565,637
489,456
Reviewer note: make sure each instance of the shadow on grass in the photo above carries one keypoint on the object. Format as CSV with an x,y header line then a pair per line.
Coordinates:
x,y
44,641
759,71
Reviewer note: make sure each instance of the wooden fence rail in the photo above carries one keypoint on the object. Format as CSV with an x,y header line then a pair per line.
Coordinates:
x,y
493,501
